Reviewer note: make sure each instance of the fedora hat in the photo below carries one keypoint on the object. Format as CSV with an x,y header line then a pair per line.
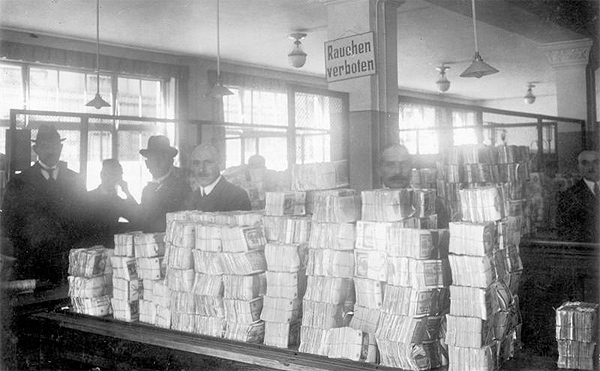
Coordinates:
x,y
159,145
47,133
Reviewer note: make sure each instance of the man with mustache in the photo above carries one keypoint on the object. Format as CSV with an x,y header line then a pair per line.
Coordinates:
x,y
395,168
212,192
577,218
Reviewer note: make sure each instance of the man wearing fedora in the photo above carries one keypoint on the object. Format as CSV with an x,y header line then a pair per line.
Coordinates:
x,y
42,211
168,189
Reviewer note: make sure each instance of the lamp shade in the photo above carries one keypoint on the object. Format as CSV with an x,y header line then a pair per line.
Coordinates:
x,y
297,56
478,68
443,83
97,102
218,91
529,98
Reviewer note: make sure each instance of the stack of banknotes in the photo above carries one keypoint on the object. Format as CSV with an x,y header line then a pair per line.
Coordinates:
x,y
576,333
285,203
287,229
128,286
90,280
319,176
352,344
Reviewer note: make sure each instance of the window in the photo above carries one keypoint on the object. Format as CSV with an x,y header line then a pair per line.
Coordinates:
x,y
464,132
417,128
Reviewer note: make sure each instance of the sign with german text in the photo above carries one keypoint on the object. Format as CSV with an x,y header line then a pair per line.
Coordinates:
x,y
350,57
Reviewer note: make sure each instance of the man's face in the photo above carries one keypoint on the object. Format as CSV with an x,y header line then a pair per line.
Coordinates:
x,y
589,165
205,166
395,169
110,176
48,151
158,165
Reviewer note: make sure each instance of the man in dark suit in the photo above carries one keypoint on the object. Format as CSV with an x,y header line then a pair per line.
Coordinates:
x,y
42,211
577,213
168,190
212,192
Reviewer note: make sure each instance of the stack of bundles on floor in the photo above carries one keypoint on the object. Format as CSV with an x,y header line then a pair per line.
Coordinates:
x,y
90,280
127,285
286,255
576,330
149,251
408,261
484,323
320,176
329,296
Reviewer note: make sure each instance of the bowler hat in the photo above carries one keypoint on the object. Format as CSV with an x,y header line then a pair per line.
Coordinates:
x,y
47,133
159,144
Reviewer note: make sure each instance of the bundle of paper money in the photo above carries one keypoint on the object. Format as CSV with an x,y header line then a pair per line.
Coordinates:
x,y
124,267
245,332
423,201
282,257
90,287
471,302
180,279
409,301
324,315
183,302
207,262
243,263
576,332
161,294
96,306
245,287
151,268
337,290
148,245
468,359
407,356
163,317
423,178
473,271
183,234
124,244
285,203
209,285
387,205
185,322
287,229
313,196
469,332
237,239
208,237
282,334
179,257
484,204
210,326
90,262
147,311
348,343
210,306
408,330
125,310
369,293
476,239
281,310
243,311
330,263
125,290
365,319
319,176
337,209
291,285
371,264
403,271
332,236
313,340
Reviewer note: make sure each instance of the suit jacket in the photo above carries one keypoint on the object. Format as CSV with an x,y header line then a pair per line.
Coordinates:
x,y
160,199
43,219
577,214
224,197
103,212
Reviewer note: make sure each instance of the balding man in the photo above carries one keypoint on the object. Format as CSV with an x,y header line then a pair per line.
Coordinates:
x,y
577,214
395,168
212,192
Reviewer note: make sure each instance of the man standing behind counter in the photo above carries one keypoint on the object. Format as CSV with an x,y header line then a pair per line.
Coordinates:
x,y
577,213
212,192
395,169
42,211
166,192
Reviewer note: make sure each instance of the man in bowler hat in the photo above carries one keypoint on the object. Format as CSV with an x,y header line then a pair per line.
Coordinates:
x,y
167,191
42,211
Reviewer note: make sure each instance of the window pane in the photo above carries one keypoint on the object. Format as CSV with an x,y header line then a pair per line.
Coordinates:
x,y
414,116
72,91
128,97
135,172
151,101
232,106
269,108
274,150
11,94
99,148
409,139
43,85
428,142
233,152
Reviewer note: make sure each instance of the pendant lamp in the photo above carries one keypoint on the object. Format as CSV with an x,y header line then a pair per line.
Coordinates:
x,y
98,102
218,90
478,68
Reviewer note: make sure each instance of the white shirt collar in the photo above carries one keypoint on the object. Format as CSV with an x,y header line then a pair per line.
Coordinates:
x,y
590,185
162,178
209,188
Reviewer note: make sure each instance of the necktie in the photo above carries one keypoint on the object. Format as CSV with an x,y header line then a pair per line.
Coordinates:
x,y
49,173
596,189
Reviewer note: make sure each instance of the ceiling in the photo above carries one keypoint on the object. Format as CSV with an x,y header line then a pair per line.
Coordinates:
x,y
255,32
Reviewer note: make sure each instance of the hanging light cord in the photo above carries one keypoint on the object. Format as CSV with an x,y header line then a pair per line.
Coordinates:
x,y
98,46
218,44
474,24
